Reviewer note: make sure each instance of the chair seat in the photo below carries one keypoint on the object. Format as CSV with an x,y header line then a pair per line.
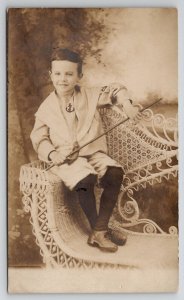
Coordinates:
x,y
60,226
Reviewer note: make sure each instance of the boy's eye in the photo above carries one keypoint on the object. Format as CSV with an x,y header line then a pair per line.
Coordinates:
x,y
69,74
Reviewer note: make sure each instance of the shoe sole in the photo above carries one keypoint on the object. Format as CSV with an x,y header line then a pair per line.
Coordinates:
x,y
103,249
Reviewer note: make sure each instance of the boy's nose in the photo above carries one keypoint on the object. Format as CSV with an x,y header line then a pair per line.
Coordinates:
x,y
62,77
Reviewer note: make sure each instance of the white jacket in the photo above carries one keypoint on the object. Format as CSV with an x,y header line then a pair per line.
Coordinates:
x,y
51,131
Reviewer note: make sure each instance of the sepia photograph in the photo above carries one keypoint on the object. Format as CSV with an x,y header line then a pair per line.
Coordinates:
x,y
92,97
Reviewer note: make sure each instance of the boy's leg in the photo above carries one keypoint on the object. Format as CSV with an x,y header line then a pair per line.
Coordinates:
x,y
80,176
111,175
75,173
111,183
86,196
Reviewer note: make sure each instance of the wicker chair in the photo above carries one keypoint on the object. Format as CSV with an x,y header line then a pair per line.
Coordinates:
x,y
147,151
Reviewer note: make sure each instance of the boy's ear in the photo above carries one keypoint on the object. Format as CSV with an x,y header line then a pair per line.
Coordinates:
x,y
50,75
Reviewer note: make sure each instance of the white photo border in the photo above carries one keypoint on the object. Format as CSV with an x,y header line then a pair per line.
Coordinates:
x,y
179,4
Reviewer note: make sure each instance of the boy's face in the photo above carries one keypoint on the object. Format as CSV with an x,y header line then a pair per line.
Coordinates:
x,y
64,76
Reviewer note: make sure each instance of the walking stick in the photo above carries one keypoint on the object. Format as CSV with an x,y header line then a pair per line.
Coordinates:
x,y
104,133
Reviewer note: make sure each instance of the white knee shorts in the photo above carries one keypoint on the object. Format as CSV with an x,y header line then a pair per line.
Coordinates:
x,y
96,164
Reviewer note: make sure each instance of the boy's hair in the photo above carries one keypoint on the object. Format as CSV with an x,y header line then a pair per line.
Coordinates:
x,y
66,54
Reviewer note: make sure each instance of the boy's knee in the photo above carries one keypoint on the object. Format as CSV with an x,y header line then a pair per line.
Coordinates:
x,y
86,183
112,177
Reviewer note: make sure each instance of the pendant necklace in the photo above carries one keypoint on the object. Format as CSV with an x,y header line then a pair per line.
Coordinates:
x,y
70,107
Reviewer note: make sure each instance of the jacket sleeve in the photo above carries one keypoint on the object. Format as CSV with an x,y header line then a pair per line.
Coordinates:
x,y
40,140
114,94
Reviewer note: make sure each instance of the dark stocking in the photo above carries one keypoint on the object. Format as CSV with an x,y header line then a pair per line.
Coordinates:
x,y
111,183
85,190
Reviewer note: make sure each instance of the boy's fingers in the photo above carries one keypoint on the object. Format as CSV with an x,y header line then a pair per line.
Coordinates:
x,y
58,161
73,156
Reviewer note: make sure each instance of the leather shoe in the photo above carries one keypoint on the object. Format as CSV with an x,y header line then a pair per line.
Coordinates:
x,y
117,237
101,240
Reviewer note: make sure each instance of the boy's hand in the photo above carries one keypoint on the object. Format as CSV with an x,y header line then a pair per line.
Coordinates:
x,y
132,112
57,158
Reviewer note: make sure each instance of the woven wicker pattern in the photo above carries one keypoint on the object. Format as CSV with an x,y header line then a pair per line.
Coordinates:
x,y
147,153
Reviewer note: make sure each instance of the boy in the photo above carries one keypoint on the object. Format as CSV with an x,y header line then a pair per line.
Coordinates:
x,y
66,120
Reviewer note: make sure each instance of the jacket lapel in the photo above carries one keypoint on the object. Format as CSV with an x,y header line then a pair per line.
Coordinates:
x,y
85,105
50,113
